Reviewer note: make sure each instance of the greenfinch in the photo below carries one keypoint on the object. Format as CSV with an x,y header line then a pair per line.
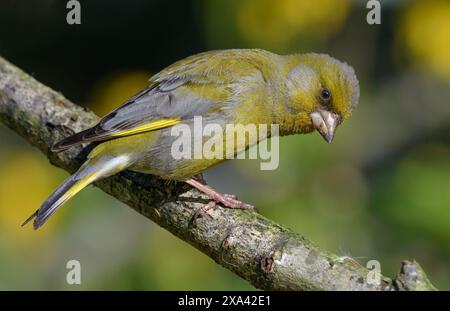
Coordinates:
x,y
300,93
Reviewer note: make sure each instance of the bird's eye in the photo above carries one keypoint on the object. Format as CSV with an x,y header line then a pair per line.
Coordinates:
x,y
325,94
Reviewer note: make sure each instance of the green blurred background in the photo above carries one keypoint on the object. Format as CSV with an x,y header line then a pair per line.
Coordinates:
x,y
380,191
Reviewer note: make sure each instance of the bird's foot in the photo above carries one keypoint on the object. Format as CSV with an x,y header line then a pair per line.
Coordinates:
x,y
226,200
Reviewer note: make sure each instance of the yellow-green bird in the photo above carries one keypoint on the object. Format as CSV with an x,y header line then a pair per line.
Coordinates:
x,y
301,93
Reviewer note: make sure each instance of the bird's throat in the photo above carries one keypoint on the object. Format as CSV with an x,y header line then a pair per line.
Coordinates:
x,y
295,124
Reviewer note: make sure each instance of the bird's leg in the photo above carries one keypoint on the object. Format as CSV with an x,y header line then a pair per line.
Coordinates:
x,y
201,179
226,200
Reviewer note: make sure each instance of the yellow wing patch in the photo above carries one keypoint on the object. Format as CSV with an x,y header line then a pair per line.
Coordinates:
x,y
154,125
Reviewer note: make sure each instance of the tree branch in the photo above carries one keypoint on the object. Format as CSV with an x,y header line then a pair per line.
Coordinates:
x,y
264,253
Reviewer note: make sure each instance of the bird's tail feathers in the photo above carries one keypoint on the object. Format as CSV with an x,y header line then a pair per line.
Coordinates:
x,y
90,171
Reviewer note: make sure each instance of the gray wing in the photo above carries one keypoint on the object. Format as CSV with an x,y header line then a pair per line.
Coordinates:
x,y
158,104
198,85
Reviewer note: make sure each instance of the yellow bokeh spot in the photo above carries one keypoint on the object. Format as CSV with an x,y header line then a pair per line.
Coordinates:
x,y
26,179
276,23
424,30
115,90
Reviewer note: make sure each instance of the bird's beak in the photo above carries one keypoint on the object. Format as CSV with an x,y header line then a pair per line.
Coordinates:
x,y
325,123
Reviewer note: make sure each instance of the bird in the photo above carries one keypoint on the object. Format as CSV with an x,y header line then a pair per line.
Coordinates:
x,y
300,93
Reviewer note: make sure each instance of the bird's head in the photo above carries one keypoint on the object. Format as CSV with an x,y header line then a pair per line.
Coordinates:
x,y
324,90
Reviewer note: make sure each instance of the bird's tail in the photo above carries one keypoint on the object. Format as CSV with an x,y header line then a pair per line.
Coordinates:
x,y
90,171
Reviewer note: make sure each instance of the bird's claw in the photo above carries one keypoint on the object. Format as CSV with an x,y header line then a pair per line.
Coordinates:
x,y
230,201
227,200
202,211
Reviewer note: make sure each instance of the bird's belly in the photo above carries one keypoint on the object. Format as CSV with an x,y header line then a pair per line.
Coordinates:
x,y
178,158
173,169
161,159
